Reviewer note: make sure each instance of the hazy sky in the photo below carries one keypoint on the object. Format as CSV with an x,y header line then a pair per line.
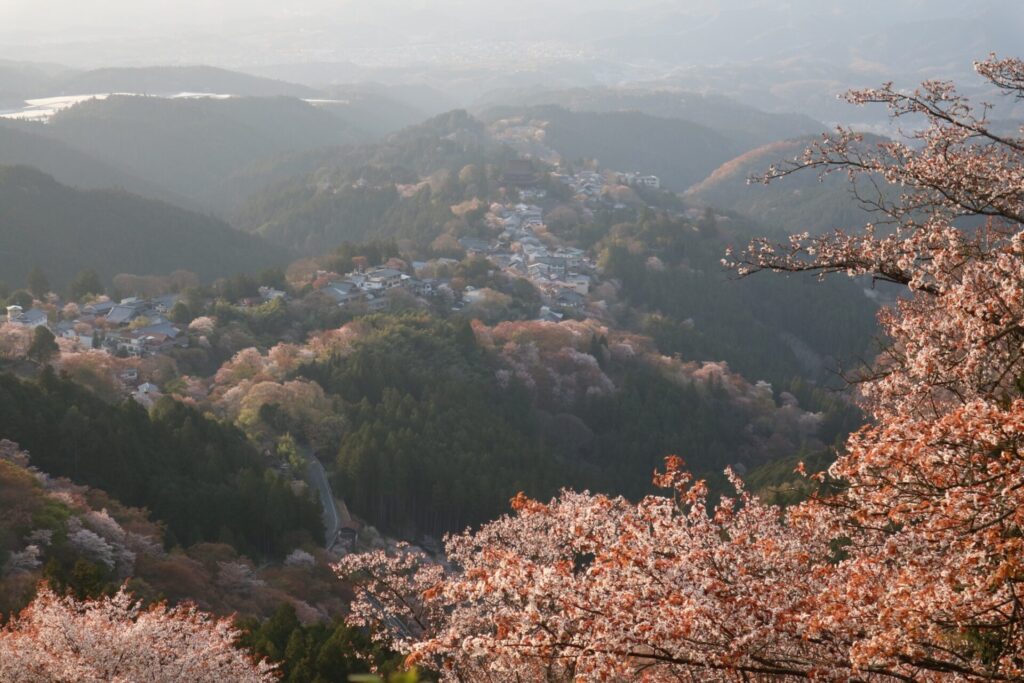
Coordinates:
x,y
57,16
60,15
239,32
52,16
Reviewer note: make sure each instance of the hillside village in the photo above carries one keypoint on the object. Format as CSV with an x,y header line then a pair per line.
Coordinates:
x,y
562,275
517,246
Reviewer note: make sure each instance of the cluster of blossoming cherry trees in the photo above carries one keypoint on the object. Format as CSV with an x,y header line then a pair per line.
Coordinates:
x,y
113,639
908,566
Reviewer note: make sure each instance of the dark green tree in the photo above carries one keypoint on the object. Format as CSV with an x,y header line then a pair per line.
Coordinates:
x,y
272,277
85,283
38,283
180,313
43,346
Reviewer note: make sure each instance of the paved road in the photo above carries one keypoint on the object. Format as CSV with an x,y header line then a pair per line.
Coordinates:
x,y
317,478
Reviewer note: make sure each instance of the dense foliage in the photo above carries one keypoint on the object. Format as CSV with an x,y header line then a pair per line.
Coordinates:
x,y
198,476
434,443
314,653
353,194
302,217
444,422
70,166
679,152
701,312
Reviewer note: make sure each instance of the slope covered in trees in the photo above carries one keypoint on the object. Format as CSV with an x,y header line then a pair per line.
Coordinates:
x,y
433,439
63,230
747,126
677,151
443,422
805,203
773,330
199,477
315,201
71,166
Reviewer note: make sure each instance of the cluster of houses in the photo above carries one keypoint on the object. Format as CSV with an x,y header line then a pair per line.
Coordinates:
x,y
651,182
138,327
563,275
369,288
586,185
132,327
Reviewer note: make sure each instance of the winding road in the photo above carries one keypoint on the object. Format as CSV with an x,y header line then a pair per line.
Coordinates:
x,y
316,477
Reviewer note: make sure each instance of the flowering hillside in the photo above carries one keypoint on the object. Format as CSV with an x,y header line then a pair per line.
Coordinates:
x,y
909,570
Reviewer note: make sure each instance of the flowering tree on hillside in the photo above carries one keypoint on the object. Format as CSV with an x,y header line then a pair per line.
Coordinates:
x,y
913,570
113,639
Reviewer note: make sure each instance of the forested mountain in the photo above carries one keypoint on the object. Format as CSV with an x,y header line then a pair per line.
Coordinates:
x,y
679,152
63,231
744,124
187,146
433,438
445,420
315,201
441,142
301,216
68,165
692,306
199,477
804,202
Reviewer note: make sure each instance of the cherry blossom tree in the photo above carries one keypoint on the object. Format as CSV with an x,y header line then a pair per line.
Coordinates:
x,y
596,588
909,566
114,639
14,341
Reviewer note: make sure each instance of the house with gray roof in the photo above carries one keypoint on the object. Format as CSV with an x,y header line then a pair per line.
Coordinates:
x,y
34,317
126,311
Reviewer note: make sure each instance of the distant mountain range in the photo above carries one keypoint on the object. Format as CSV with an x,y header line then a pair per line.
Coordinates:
x,y
21,81
217,155
741,123
187,146
679,152
63,230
